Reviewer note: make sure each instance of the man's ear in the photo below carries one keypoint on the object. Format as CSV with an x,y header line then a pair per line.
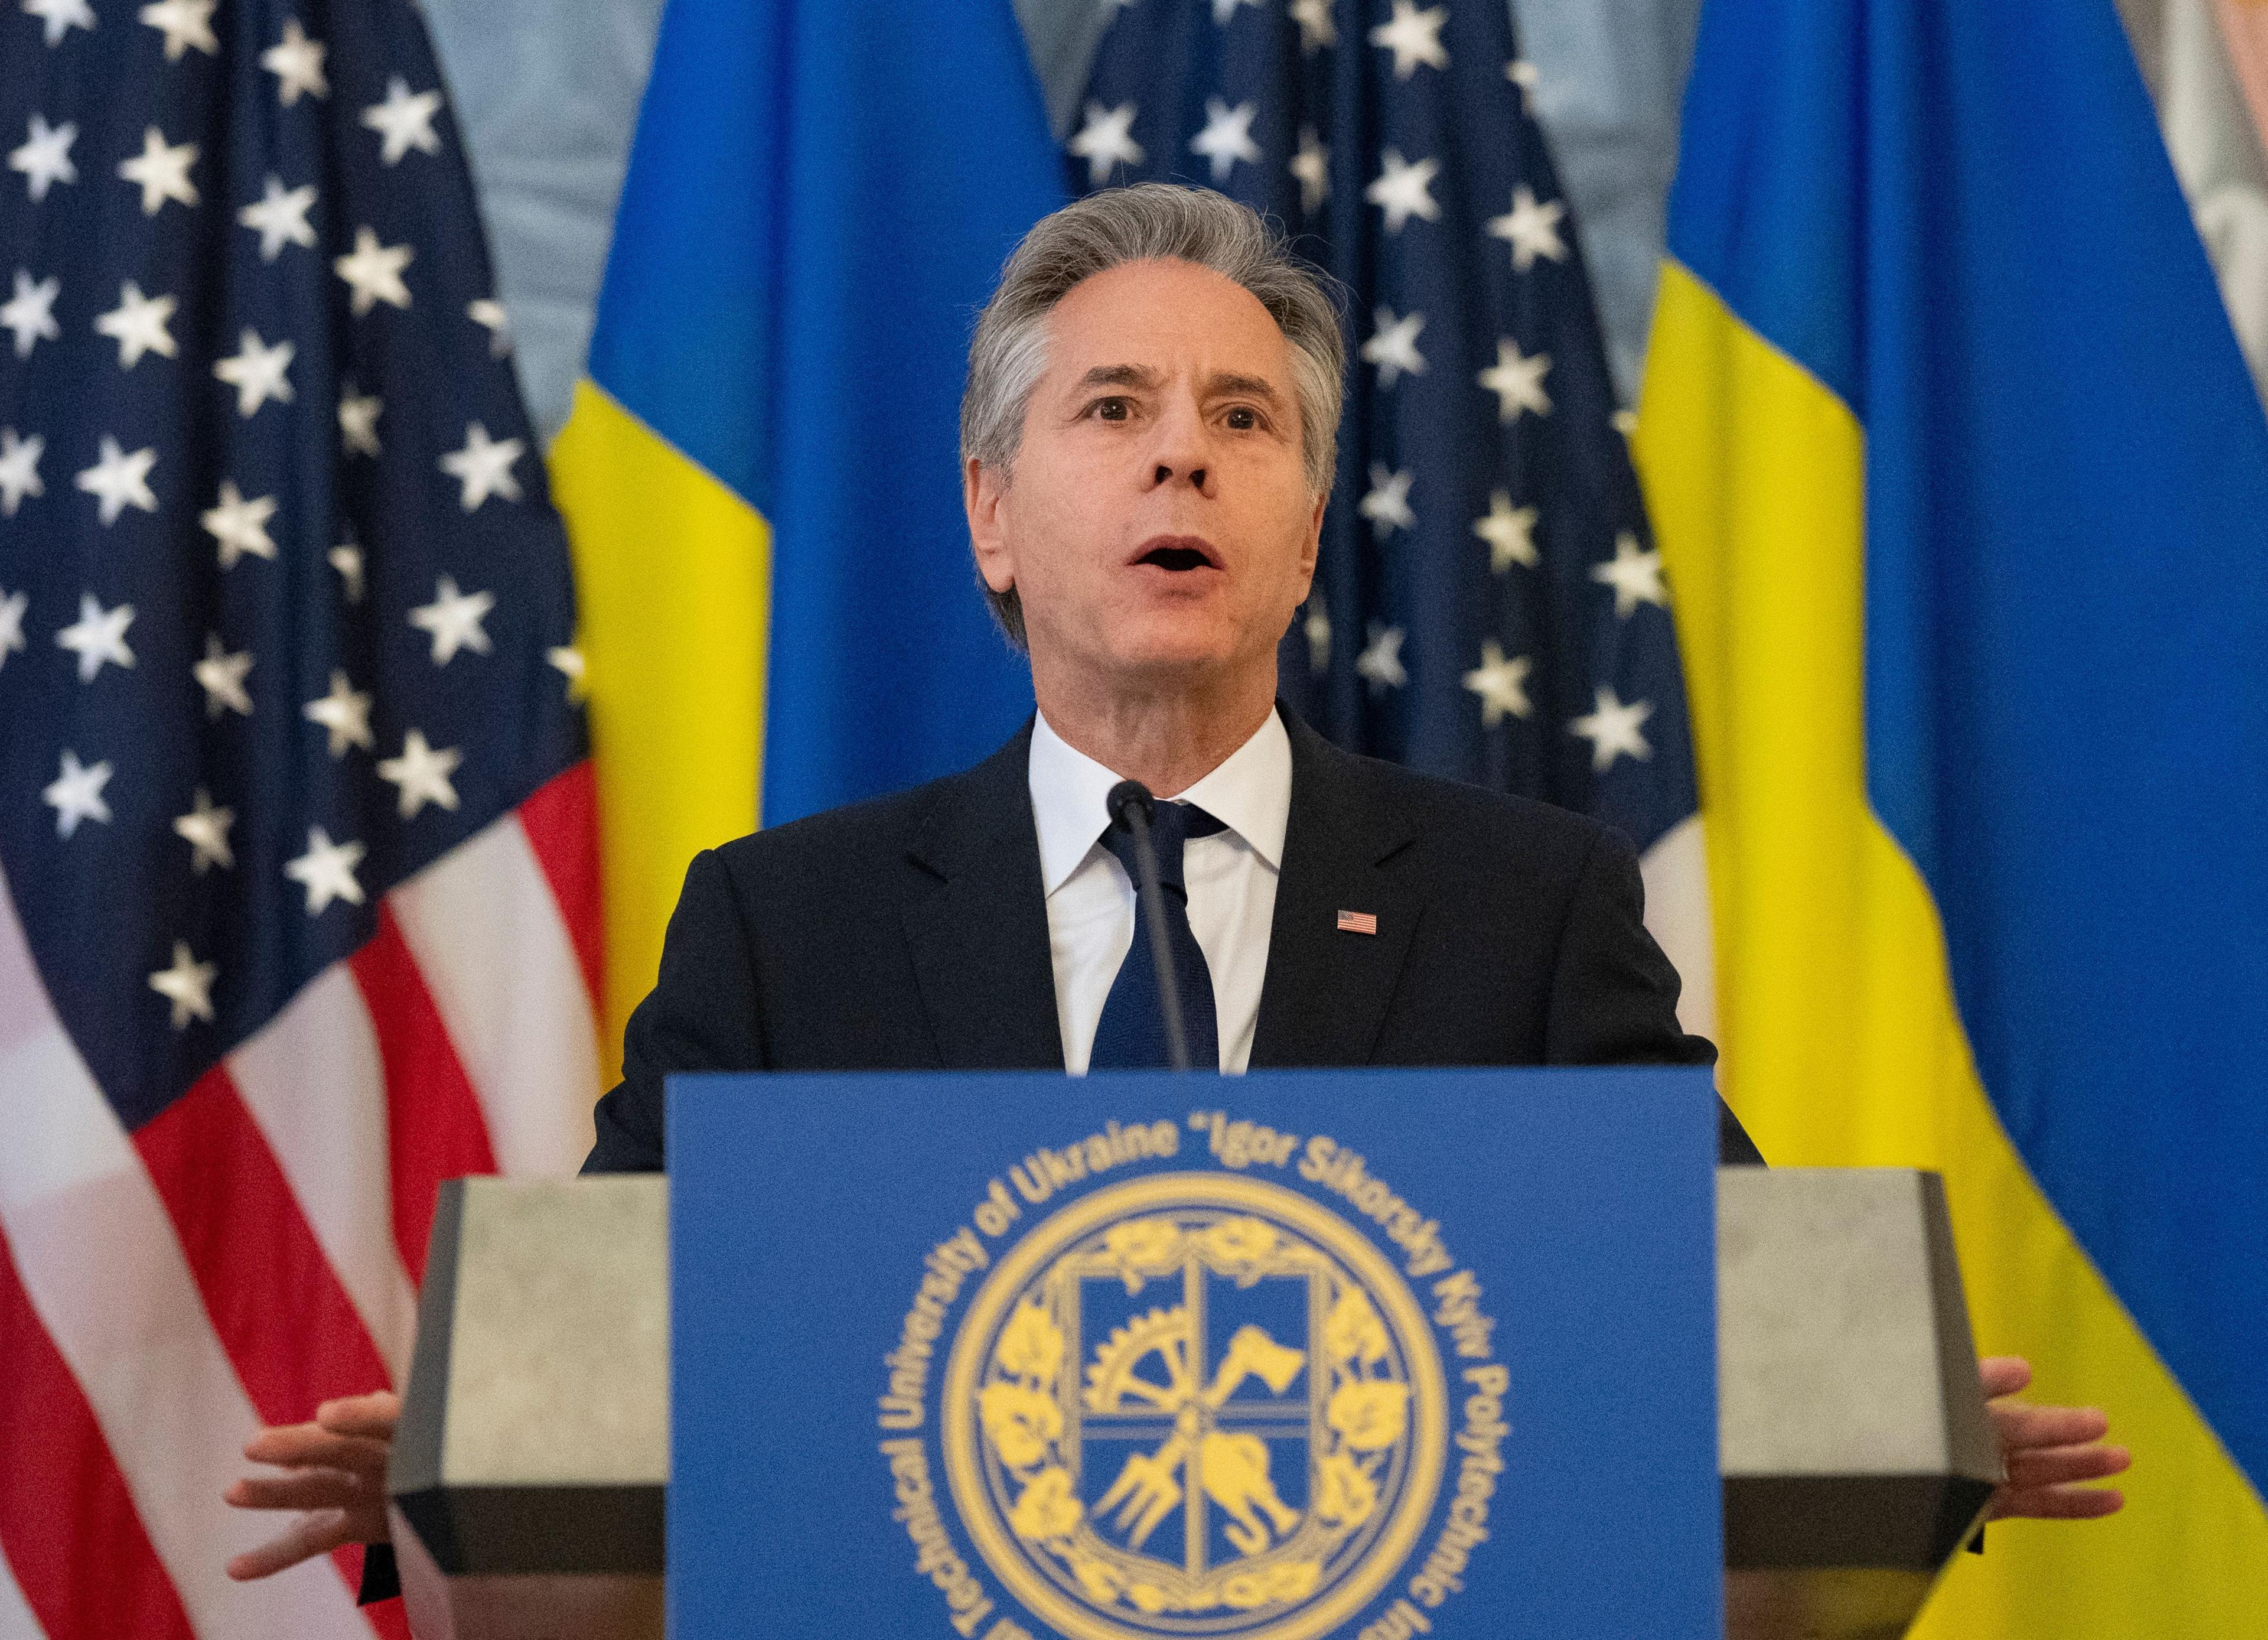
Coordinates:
x,y
1312,547
983,494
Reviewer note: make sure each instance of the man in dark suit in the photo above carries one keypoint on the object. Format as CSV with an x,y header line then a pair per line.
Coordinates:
x,y
1148,437
912,934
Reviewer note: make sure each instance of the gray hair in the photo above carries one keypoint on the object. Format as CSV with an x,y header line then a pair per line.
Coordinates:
x,y
1151,221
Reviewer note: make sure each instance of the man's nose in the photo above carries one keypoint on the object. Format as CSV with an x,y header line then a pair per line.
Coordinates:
x,y
1181,453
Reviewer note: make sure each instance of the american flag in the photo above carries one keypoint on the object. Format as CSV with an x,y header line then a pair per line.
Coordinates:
x,y
1488,604
298,884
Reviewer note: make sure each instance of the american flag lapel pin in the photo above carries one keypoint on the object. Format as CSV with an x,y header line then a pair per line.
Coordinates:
x,y
1357,922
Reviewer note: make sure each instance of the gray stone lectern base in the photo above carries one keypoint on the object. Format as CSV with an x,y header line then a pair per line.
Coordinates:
x,y
1852,1434
528,1473
527,1476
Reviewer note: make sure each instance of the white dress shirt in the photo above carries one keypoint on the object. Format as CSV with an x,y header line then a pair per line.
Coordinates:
x,y
1230,877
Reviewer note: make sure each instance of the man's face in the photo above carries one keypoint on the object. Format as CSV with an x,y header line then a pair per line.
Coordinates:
x,y
1159,530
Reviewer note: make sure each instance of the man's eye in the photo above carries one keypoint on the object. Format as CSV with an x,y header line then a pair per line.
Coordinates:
x,y
1243,418
1112,410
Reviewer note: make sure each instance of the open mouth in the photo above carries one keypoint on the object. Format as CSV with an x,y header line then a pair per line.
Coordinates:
x,y
1179,553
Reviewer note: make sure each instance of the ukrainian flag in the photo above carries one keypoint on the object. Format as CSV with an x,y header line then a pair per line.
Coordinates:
x,y
760,476
1964,491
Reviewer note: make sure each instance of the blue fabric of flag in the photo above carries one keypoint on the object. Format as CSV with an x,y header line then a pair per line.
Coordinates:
x,y
1489,605
2066,499
856,190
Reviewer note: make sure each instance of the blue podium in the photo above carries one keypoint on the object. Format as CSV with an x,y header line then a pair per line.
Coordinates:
x,y
1370,1353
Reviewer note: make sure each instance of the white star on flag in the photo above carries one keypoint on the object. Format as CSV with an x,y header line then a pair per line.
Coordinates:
x,y
20,470
60,15
484,467
44,158
375,271
187,984
1523,74
423,774
280,218
1387,507
76,794
1635,576
454,620
568,661
137,324
1317,28
257,371
404,120
30,312
12,605
345,713
358,421
1613,730
238,526
1394,348
221,675
1531,229
489,314
1107,142
1501,682
99,635
1380,662
120,480
346,558
1403,190
1414,37
162,172
1226,137
297,62
1517,381
184,23
1510,532
1317,628
205,830
327,871
1224,9
1311,168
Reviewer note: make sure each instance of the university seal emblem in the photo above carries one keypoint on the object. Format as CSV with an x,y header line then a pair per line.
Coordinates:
x,y
1195,1404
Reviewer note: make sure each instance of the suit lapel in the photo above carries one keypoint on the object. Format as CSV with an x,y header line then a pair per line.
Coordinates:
x,y
979,938
1326,992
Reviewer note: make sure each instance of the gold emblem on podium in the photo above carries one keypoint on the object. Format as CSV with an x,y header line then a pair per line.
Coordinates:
x,y
1195,1404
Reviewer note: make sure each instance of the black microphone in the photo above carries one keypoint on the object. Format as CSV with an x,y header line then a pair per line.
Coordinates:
x,y
1131,804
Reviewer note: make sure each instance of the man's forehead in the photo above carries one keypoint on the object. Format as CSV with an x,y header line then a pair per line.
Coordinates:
x,y
1162,319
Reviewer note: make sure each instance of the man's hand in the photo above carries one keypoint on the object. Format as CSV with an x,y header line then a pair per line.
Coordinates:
x,y
336,1476
2050,1452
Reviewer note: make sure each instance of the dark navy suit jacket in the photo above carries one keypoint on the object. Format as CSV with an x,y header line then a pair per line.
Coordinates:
x,y
911,933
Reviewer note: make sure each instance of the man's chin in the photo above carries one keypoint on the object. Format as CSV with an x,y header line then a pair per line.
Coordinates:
x,y
1168,649
1153,651
1167,659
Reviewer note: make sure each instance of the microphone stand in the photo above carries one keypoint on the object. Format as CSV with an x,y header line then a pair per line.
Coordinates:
x,y
1130,803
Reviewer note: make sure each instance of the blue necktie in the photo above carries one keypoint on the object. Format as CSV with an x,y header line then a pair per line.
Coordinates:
x,y
1132,1032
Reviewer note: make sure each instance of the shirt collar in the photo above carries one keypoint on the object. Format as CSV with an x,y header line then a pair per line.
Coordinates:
x,y
1250,793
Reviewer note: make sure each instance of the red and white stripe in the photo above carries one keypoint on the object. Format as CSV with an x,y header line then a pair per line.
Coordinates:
x,y
255,1248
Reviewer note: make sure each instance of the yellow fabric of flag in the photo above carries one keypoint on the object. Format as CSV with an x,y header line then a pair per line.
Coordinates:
x,y
1842,1044
672,579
